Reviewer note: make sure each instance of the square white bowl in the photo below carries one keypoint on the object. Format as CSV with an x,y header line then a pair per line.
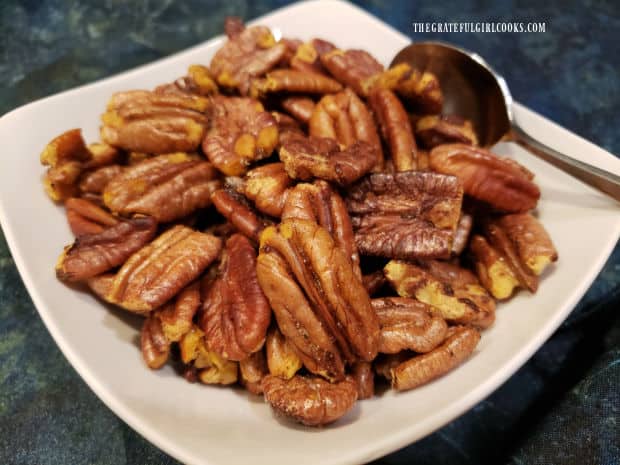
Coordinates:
x,y
199,424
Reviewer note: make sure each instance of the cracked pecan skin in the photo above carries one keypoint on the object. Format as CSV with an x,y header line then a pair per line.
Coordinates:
x,y
314,157
93,254
319,302
500,182
149,122
141,284
167,187
310,400
240,132
405,215
236,313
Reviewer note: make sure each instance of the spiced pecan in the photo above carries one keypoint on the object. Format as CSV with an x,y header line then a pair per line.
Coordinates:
x,y
374,281
500,182
405,215
150,122
103,155
155,273
313,157
421,369
84,217
419,88
385,363
94,182
461,235
167,187
240,132
93,254
451,292
288,128
233,26
307,57
300,108
198,81
168,324
434,130
282,359
267,187
235,209
310,400
320,304
395,128
247,54
408,324
364,377
236,313
492,268
292,81
252,370
353,68
291,49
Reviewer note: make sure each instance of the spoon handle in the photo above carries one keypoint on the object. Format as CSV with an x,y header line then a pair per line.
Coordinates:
x,y
596,177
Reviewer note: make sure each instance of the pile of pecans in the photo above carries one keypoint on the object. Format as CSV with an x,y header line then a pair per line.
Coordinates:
x,y
297,219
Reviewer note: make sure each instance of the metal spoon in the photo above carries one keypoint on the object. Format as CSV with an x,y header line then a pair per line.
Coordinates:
x,y
473,90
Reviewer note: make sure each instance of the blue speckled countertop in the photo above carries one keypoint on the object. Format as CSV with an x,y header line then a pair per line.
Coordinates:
x,y
562,407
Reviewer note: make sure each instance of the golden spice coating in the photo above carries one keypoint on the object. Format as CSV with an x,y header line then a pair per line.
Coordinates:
x,y
420,89
313,157
252,370
307,56
492,268
282,359
290,80
234,208
310,400
93,254
198,81
150,122
247,54
167,187
240,132
434,130
421,369
267,187
154,274
353,68
395,129
407,324
84,217
500,182
451,292
300,108
364,377
236,313
405,215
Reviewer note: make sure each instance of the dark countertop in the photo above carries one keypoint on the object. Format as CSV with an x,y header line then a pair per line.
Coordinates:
x,y
561,407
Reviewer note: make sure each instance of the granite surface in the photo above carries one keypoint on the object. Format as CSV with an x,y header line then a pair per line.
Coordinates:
x,y
562,407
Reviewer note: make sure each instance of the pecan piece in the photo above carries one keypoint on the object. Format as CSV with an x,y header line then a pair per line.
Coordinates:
x,y
307,57
365,379
282,359
374,281
451,292
268,187
300,108
408,324
236,313
288,128
292,81
151,122
395,128
94,182
84,217
209,366
252,370
344,117
492,269
422,369
247,54
241,131
167,187
353,68
419,88
168,324
198,81
434,130
93,254
310,400
461,235
405,215
500,182
235,209
155,273
313,157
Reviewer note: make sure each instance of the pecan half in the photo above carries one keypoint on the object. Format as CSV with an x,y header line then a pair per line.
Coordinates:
x,y
408,324
248,54
395,128
308,56
405,215
320,304
313,157
94,182
167,325
434,130
154,274
235,209
93,254
492,268
300,108
210,367
282,359
240,132
252,370
149,122
236,313
344,117
500,182
310,400
452,292
268,187
422,369
353,68
84,217
167,187
292,81
364,376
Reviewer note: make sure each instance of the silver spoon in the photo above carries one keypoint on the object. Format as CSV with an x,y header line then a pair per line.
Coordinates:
x,y
473,90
